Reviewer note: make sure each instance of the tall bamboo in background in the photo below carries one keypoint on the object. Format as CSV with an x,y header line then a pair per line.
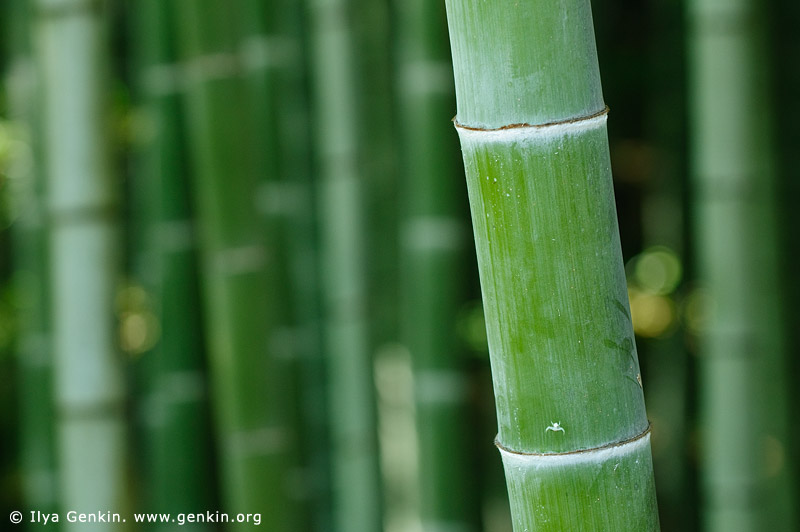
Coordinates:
x,y
250,389
35,349
263,56
84,242
744,419
573,433
433,238
355,479
177,477
292,120
377,158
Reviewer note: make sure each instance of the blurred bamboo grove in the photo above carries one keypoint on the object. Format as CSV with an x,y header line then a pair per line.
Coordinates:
x,y
237,272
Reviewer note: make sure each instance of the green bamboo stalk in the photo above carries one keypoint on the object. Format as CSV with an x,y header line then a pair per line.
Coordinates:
x,y
573,433
264,55
35,350
294,145
356,497
433,252
84,267
176,417
744,417
250,388
377,159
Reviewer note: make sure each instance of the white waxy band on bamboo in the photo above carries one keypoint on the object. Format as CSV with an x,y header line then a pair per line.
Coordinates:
x,y
164,79
255,53
236,261
440,386
279,198
434,233
57,8
427,77
183,386
266,440
262,51
221,65
172,78
597,455
516,133
88,214
174,388
175,235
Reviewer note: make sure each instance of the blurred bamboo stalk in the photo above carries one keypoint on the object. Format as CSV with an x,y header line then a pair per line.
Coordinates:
x,y
84,264
433,247
744,416
378,136
178,474
35,349
264,57
291,100
573,432
251,392
356,494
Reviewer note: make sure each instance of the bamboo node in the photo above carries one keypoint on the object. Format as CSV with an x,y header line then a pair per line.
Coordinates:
x,y
556,123
644,434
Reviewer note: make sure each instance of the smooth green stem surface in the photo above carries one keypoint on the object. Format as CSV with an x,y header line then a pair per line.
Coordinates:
x,y
433,251
34,346
84,255
243,310
553,286
355,478
176,399
564,364
297,206
744,414
515,62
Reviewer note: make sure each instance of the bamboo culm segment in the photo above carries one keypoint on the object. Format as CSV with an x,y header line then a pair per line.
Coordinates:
x,y
572,425
355,477
531,84
433,252
742,363
249,380
35,351
552,279
574,491
564,363
84,266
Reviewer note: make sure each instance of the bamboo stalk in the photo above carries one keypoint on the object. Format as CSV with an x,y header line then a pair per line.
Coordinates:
x,y
35,349
378,137
433,241
250,389
744,417
290,86
573,433
356,495
264,54
176,400
84,268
